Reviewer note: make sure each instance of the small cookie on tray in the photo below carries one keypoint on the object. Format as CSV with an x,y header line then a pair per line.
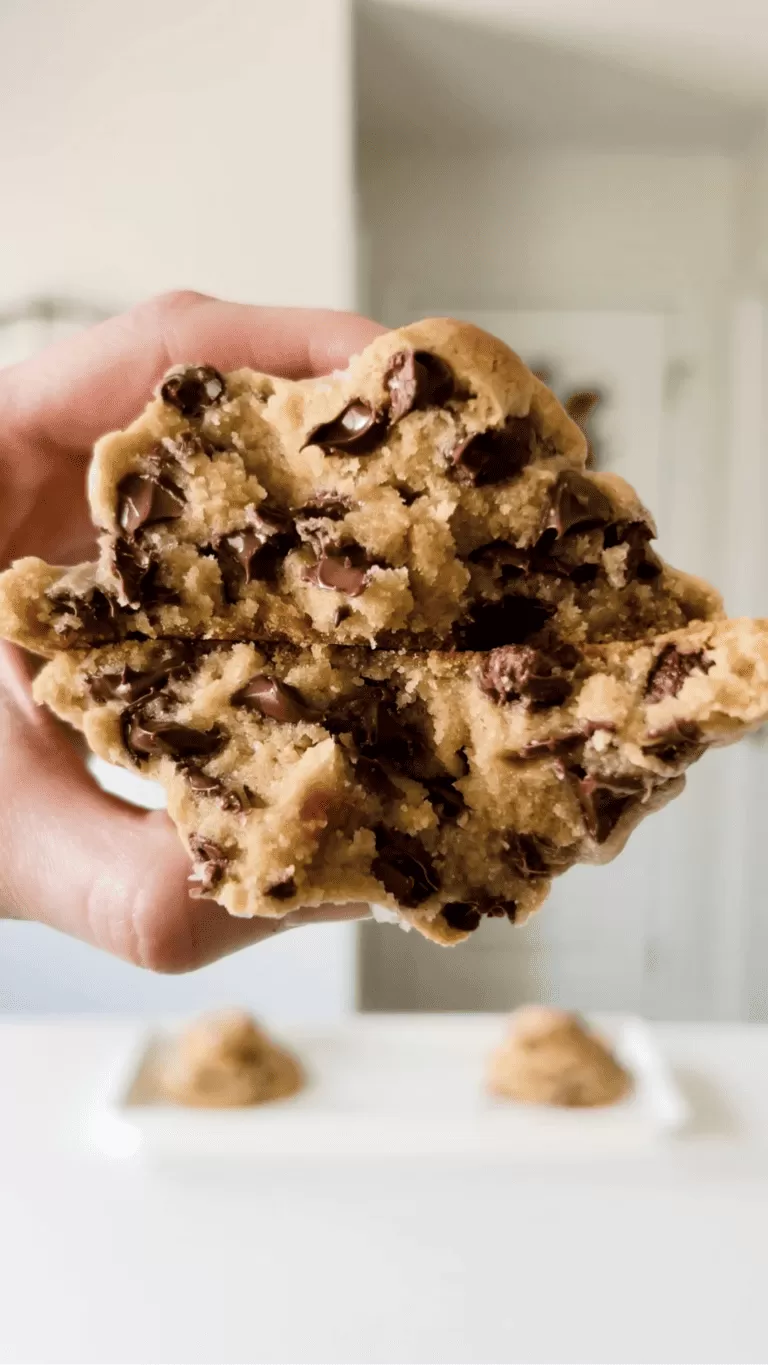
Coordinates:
x,y
226,1060
551,1057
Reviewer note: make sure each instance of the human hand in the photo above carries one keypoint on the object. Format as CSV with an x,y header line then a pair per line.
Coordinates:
x,y
74,857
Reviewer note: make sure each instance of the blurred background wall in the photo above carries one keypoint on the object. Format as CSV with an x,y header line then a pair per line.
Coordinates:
x,y
589,180
203,143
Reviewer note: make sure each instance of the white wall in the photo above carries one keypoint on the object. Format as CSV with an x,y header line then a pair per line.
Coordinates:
x,y
723,46
190,143
305,975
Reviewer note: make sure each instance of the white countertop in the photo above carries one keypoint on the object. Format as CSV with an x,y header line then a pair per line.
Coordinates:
x,y
655,1256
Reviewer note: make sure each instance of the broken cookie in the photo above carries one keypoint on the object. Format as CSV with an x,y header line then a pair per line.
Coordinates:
x,y
450,787
382,636
433,495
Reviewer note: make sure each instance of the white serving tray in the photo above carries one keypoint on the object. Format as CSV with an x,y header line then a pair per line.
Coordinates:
x,y
399,1085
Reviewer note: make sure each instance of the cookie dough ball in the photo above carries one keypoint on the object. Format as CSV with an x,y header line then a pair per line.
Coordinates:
x,y
225,1060
550,1057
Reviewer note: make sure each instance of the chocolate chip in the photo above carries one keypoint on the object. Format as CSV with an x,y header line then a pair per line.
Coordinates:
x,y
408,495
465,916
130,570
677,745
496,455
236,555
203,782
210,864
94,614
516,672
558,744
497,909
561,744
97,612
462,916
148,736
139,573
565,557
193,388
510,621
641,561
404,867
110,686
447,800
500,554
270,521
155,593
358,715
602,811
564,653
645,566
235,799
374,778
338,573
604,800
379,730
532,856
282,891
255,553
130,684
396,742
417,379
525,854
272,698
357,430
576,501
328,504
146,498
671,669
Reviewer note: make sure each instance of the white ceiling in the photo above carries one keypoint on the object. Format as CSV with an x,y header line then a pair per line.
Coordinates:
x,y
426,77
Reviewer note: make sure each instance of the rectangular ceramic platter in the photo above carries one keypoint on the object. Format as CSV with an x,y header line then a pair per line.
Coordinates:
x,y
390,1085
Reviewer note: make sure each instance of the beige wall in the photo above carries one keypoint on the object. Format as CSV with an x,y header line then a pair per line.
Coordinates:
x,y
185,143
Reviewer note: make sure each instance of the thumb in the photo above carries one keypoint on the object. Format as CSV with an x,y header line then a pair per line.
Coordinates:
x,y
89,865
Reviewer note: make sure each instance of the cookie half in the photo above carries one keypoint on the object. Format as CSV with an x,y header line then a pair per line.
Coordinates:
x,y
448,787
433,495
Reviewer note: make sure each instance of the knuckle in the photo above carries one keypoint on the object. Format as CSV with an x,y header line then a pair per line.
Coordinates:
x,y
173,302
142,929
164,952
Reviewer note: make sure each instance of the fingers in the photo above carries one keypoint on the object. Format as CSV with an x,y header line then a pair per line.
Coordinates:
x,y
205,932
89,865
99,379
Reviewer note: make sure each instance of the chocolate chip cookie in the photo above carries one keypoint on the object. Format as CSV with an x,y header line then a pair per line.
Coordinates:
x,y
382,636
